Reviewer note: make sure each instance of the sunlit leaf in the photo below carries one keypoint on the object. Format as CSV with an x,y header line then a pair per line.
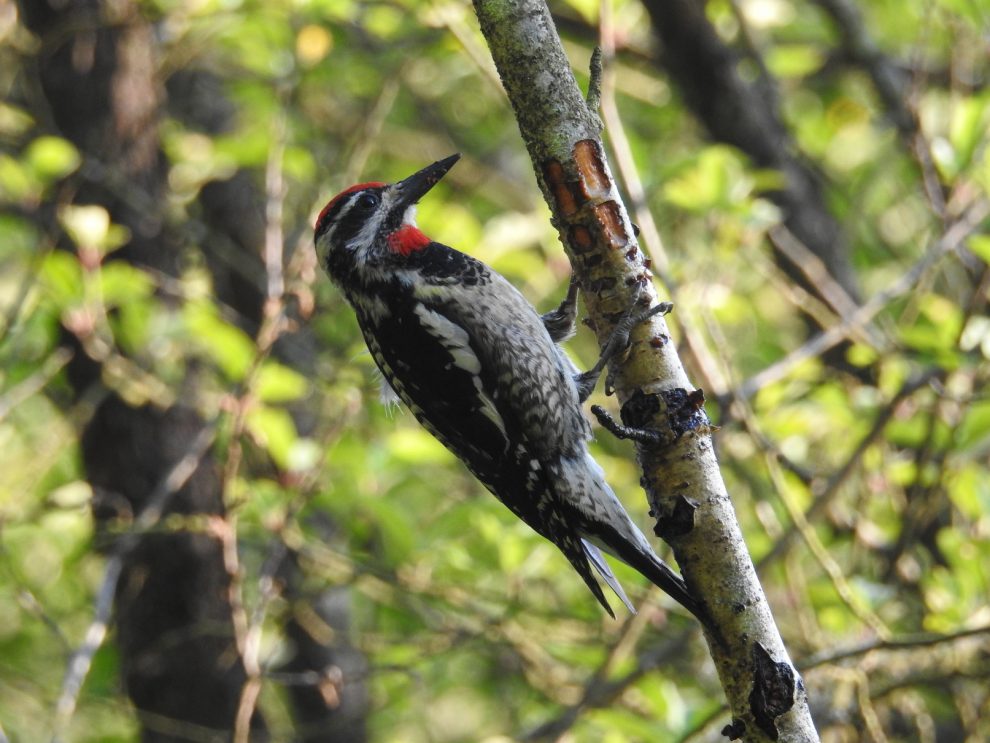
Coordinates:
x,y
794,60
52,157
974,431
61,275
274,430
279,383
980,245
313,43
970,123
226,344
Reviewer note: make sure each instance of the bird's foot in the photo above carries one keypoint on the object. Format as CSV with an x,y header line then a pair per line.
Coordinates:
x,y
617,342
620,431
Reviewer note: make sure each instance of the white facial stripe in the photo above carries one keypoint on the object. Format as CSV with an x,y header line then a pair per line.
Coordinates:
x,y
367,234
369,230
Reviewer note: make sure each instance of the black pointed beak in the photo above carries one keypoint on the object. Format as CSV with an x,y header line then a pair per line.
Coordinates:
x,y
413,188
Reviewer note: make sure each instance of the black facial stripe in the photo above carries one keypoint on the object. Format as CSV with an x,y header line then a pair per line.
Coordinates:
x,y
349,225
345,213
329,217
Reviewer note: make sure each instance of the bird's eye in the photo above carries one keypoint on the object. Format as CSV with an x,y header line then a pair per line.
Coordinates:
x,y
368,200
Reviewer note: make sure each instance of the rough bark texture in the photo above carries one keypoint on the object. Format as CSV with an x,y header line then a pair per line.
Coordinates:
x,y
687,496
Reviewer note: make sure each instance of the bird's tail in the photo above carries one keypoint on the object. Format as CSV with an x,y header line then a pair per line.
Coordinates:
x,y
576,550
598,561
661,575
604,523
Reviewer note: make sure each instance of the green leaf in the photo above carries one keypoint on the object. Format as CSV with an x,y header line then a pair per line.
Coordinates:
x,y
122,284
936,330
384,21
52,158
274,430
974,431
716,179
89,226
976,334
20,238
278,383
861,355
17,183
969,490
794,60
227,345
587,8
980,245
61,276
410,444
968,130
396,533
13,120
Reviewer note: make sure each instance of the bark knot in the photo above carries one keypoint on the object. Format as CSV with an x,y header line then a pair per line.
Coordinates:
x,y
774,684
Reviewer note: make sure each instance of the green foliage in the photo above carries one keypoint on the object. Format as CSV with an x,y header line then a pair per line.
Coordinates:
x,y
475,628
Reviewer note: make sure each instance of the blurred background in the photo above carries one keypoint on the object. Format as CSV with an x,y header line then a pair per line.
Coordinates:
x,y
209,523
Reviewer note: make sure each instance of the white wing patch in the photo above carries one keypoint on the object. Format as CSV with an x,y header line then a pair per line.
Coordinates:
x,y
456,340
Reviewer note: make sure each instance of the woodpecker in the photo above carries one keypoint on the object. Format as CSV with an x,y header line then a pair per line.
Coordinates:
x,y
482,371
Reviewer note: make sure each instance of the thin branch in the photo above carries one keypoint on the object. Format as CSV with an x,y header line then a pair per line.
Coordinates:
x,y
822,555
82,658
274,202
744,114
824,496
816,272
269,591
860,47
905,642
948,243
599,692
248,632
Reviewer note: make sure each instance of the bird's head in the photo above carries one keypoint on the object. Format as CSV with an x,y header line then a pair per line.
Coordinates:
x,y
365,226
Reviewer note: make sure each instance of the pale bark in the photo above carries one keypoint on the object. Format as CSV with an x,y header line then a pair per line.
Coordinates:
x,y
681,475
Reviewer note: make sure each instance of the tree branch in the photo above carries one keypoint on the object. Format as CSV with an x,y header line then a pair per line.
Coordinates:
x,y
684,486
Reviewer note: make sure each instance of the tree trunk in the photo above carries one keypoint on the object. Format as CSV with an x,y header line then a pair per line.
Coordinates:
x,y
180,662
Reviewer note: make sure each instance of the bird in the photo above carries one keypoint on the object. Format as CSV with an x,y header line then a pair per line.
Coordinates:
x,y
483,371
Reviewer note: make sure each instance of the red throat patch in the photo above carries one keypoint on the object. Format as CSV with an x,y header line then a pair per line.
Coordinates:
x,y
407,239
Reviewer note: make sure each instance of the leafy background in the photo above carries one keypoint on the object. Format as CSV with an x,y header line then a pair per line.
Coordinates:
x,y
461,623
